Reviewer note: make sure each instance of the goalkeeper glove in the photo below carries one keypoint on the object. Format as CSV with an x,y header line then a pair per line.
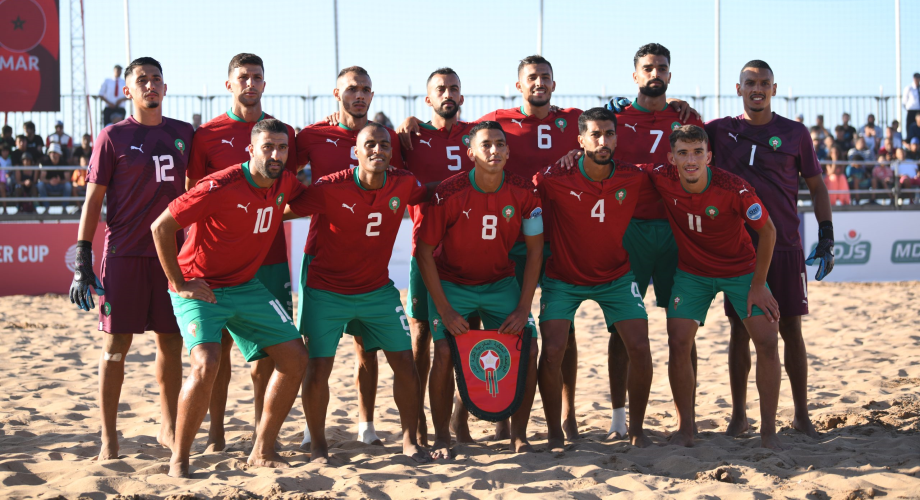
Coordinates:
x,y
84,279
824,251
618,104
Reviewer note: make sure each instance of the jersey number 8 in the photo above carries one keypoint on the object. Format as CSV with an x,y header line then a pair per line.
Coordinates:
x,y
489,227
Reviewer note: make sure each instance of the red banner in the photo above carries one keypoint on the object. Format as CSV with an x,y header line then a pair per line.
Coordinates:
x,y
30,68
38,258
491,371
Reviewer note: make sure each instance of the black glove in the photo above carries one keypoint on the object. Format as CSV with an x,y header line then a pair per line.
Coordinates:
x,y
824,251
617,104
84,279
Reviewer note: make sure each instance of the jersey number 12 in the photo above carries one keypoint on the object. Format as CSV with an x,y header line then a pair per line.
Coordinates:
x,y
161,168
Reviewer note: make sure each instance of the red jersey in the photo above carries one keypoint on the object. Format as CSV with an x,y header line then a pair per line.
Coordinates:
x,y
356,229
221,143
643,137
589,220
329,149
233,223
476,230
437,155
709,226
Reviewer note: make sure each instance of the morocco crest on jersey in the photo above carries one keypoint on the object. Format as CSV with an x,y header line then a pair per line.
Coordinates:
x,y
491,371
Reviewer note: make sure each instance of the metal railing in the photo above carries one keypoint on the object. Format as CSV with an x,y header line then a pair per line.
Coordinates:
x,y
895,196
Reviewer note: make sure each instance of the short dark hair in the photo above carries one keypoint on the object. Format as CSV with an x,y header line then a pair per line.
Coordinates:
x,y
118,67
486,125
27,156
245,58
269,125
29,126
535,59
756,64
142,61
688,133
358,70
655,49
916,75
22,137
595,115
374,125
442,71
840,128
7,128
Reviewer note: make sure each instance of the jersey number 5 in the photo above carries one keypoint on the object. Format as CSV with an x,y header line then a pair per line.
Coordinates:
x,y
162,168
451,155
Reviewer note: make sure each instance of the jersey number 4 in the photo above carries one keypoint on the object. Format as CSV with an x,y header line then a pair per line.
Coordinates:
x,y
162,164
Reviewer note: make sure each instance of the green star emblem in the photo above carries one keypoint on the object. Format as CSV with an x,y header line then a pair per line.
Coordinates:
x,y
677,301
394,204
620,195
466,140
561,123
508,212
18,23
712,212
775,142
675,125
279,199
107,309
180,145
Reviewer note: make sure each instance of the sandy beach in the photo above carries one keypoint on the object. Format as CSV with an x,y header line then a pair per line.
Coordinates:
x,y
864,358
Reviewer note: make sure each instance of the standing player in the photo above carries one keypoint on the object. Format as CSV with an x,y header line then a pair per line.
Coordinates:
x,y
223,143
592,206
138,167
770,152
212,286
329,149
358,212
439,152
475,219
709,208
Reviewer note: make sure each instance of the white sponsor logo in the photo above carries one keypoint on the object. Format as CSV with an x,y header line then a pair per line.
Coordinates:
x,y
437,198
659,166
675,201
28,253
467,213
733,136
351,208
246,208
212,185
745,190
427,143
138,148
548,169
230,142
336,142
633,126
577,195
518,122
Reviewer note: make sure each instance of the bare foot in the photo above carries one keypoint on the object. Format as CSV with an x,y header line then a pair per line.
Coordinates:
x,y
179,469
460,427
109,449
166,436
772,442
272,460
319,454
640,440
737,427
440,451
502,430
417,453
681,439
614,436
520,445
805,426
570,427
215,445
555,445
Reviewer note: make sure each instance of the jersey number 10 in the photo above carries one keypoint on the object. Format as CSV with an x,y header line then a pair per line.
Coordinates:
x,y
263,220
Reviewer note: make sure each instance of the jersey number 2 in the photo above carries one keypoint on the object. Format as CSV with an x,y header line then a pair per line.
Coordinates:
x,y
375,220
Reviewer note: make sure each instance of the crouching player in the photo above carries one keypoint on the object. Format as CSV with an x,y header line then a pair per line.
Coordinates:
x,y
473,221
707,209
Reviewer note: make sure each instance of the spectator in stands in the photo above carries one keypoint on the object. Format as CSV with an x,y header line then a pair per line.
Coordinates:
x,y
849,131
872,134
84,149
836,181
59,137
6,137
34,142
113,96
894,133
913,149
840,139
297,130
26,183
904,169
908,182
78,178
819,130
820,150
858,174
800,118
913,130
54,182
5,176
881,175
911,101
19,151
196,121
382,119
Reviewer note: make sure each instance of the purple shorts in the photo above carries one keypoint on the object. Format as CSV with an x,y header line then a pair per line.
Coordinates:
x,y
788,283
136,297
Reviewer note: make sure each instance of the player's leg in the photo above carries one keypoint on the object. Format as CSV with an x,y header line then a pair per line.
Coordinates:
x,y
162,320
739,369
301,284
277,280
201,325
764,335
417,311
111,377
218,403
558,303
366,378
569,371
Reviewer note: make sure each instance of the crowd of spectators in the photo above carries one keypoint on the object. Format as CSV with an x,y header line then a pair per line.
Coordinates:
x,y
870,159
44,159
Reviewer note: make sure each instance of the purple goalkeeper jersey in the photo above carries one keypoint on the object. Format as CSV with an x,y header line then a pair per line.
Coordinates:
x,y
144,169
770,157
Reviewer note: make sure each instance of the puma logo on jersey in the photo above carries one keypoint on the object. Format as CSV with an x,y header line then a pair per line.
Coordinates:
x,y
351,208
733,136
336,142
230,142
212,187
632,127
576,195
467,213
437,198
138,148
427,143
745,190
245,209
659,166
675,201
518,122
547,170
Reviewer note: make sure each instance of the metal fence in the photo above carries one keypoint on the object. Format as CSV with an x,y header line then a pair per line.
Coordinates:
x,y
302,110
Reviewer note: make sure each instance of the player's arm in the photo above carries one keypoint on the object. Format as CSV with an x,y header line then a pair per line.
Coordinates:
x,y
305,200
84,279
683,107
190,183
759,294
164,238
516,321
405,130
452,321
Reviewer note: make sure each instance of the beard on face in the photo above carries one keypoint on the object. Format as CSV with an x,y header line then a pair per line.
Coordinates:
x,y
151,104
350,111
535,101
648,90
449,113
263,168
593,156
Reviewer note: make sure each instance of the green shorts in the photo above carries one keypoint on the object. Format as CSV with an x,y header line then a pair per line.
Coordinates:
x,y
652,255
254,317
620,299
277,279
518,255
417,300
494,302
379,313
352,328
692,295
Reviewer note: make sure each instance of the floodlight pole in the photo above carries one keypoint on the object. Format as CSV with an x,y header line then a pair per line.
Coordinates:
x,y
897,62
335,24
127,35
540,31
717,114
